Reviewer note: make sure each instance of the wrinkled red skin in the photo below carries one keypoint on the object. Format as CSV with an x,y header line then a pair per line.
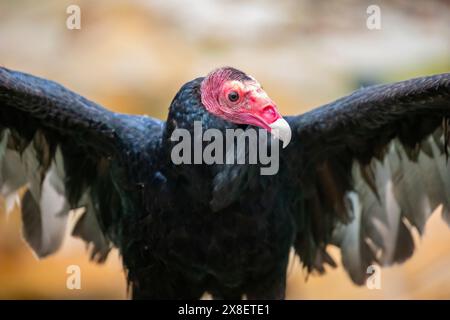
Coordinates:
x,y
253,107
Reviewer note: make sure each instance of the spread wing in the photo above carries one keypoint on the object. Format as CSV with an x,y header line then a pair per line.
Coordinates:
x,y
65,152
370,168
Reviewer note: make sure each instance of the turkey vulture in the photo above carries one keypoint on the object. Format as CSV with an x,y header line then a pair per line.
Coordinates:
x,y
360,173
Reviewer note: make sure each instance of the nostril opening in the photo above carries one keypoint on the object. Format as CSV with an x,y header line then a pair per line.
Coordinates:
x,y
269,110
269,113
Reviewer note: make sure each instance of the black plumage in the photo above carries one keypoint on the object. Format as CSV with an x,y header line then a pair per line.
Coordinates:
x,y
360,173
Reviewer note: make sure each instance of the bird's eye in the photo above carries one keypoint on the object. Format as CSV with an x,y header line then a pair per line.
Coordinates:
x,y
233,96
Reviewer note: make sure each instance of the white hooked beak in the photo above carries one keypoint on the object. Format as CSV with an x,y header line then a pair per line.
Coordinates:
x,y
281,130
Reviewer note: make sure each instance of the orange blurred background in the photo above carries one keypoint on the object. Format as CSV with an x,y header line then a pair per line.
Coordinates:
x,y
132,56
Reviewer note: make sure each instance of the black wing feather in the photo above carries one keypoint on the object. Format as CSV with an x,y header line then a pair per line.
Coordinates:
x,y
371,166
61,144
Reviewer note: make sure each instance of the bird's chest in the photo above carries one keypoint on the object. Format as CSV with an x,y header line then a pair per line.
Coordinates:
x,y
228,245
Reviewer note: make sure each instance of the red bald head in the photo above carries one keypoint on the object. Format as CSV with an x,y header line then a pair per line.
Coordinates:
x,y
234,96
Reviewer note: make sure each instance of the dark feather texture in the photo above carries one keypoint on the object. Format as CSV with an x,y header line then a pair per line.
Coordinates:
x,y
385,147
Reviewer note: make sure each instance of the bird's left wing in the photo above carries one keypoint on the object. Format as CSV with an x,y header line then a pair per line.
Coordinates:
x,y
68,152
369,168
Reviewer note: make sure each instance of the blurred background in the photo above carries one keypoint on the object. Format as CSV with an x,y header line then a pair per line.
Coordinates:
x,y
132,56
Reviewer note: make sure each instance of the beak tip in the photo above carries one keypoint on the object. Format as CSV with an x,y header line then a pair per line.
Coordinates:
x,y
282,131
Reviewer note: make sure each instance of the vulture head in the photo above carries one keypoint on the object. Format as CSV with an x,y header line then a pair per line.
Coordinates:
x,y
237,97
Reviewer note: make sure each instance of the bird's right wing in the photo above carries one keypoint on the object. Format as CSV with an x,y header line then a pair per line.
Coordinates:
x,y
67,152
